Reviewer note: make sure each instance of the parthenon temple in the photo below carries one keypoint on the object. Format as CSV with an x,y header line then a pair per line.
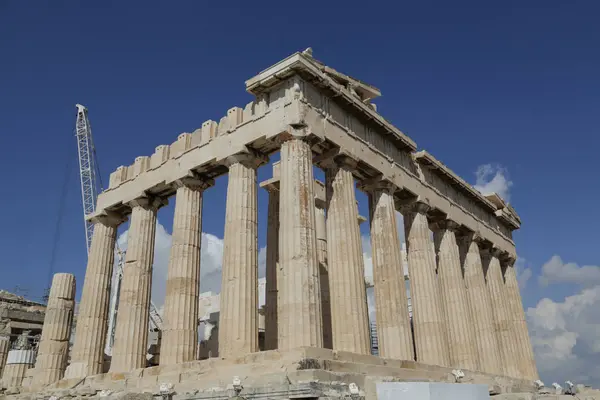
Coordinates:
x,y
467,312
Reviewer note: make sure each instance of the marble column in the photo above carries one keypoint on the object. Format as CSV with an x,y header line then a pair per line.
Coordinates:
x,y
527,365
4,347
348,298
480,305
272,269
87,354
53,348
179,342
461,335
391,304
431,340
131,333
321,230
238,319
300,317
501,311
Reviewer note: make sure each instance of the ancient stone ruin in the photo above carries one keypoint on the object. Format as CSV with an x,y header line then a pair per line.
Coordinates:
x,y
467,325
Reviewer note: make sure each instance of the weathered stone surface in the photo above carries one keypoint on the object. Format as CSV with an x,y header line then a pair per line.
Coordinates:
x,y
179,340
501,313
431,340
461,335
481,308
53,348
131,334
300,318
321,231
391,304
4,347
518,323
348,299
238,320
272,269
87,356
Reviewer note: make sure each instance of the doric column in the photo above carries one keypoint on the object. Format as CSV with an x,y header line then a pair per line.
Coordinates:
x,y
87,355
501,311
131,333
272,268
238,319
179,340
321,229
53,348
461,336
480,305
300,318
348,298
431,339
391,304
519,324
4,347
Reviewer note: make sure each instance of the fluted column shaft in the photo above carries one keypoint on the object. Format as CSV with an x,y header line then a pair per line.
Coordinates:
x,y
501,311
53,348
527,365
4,347
431,341
391,304
349,315
321,229
272,268
461,335
300,318
131,333
480,305
87,355
238,321
179,340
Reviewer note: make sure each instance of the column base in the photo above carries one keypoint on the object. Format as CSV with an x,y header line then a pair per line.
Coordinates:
x,y
284,374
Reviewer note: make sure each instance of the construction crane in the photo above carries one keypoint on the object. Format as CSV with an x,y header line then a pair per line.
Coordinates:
x,y
91,185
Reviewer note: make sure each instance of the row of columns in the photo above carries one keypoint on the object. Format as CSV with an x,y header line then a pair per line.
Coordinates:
x,y
454,304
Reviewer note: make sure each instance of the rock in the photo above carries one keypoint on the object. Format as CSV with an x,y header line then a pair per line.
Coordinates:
x,y
11,391
494,389
85,391
133,396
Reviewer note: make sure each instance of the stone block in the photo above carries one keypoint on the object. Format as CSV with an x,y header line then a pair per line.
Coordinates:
x,y
235,116
430,391
358,358
141,165
249,111
209,130
118,176
171,377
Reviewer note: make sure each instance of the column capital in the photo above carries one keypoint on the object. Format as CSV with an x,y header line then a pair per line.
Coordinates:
x,y
336,158
376,183
109,218
148,202
193,182
507,259
249,158
418,206
491,251
446,224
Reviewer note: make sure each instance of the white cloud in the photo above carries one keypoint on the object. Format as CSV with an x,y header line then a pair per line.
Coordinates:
x,y
493,179
557,271
565,337
210,262
524,273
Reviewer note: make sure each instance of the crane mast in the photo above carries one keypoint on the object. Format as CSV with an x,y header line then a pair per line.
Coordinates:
x,y
87,170
91,185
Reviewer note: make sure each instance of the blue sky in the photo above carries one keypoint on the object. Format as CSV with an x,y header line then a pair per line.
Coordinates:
x,y
508,85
